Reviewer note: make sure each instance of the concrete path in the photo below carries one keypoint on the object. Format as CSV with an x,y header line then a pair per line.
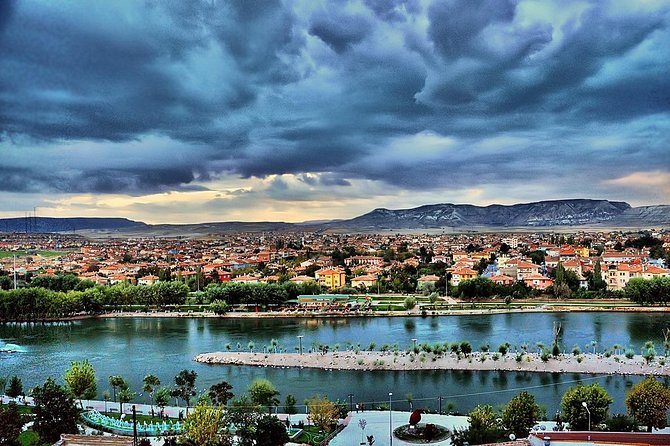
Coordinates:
x,y
377,424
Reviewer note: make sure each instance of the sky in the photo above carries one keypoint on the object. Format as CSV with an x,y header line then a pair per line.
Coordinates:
x,y
193,111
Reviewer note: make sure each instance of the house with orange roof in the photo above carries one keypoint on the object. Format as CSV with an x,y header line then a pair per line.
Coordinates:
x,y
412,261
148,280
428,279
366,280
120,278
617,276
224,276
501,279
246,279
567,252
364,260
457,255
616,257
519,268
460,274
573,265
331,277
538,281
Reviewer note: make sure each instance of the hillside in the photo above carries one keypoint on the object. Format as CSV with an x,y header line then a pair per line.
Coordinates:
x,y
49,224
541,214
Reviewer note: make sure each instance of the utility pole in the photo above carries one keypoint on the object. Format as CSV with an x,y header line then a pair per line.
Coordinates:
x,y
134,426
15,271
446,285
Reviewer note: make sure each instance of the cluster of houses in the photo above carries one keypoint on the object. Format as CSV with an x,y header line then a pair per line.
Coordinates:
x,y
305,257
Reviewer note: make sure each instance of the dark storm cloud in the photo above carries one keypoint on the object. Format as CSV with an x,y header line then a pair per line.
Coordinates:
x,y
339,32
455,24
324,90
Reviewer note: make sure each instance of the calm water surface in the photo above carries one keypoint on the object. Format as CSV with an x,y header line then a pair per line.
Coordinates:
x,y
135,347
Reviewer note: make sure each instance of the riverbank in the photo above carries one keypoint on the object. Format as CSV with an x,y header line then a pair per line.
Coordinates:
x,y
478,361
455,310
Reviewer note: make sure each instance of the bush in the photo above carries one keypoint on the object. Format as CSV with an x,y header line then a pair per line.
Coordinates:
x,y
410,302
219,307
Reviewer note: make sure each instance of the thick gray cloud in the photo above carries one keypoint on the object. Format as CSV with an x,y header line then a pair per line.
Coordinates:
x,y
418,95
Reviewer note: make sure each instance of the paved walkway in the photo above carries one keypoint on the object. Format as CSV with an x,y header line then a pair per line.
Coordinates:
x,y
109,406
377,424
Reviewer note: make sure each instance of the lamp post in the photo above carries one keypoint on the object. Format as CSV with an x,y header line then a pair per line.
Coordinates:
x,y
300,343
390,420
351,402
414,341
587,409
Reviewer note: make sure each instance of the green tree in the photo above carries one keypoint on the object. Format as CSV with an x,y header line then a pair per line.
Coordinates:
x,y
648,402
221,393
244,414
149,385
483,427
561,288
162,398
263,393
520,414
289,405
185,382
479,287
11,423
14,387
597,283
597,400
125,396
80,381
205,425
55,412
117,381
219,307
270,431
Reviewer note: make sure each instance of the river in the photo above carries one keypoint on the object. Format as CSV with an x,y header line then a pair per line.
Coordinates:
x,y
134,347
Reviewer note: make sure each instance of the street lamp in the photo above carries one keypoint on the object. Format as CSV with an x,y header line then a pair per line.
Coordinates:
x,y
300,343
390,421
587,409
414,340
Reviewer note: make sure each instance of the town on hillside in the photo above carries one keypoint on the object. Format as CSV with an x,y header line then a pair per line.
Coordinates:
x,y
345,263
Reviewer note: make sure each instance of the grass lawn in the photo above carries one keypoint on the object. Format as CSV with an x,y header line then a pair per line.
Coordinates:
x,y
311,435
25,409
27,437
5,254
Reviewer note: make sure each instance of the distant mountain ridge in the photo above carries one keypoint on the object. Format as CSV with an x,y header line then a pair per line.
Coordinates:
x,y
67,224
566,213
542,213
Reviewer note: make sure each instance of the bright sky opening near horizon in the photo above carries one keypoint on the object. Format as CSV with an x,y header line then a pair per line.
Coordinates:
x,y
194,111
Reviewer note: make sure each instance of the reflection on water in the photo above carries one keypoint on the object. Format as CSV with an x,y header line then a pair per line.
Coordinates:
x,y
136,347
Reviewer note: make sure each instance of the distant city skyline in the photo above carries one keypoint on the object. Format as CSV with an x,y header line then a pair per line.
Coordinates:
x,y
303,110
